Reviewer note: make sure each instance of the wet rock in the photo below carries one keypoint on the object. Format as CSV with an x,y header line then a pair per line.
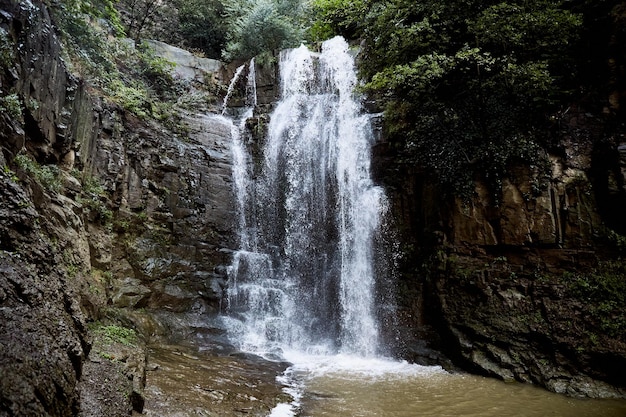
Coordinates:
x,y
176,216
267,85
43,336
131,293
188,382
489,273
114,374
188,67
173,209
495,368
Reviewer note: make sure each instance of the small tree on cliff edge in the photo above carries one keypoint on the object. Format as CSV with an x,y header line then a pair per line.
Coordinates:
x,y
262,26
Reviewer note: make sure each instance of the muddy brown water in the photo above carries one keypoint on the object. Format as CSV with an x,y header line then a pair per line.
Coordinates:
x,y
444,395
185,381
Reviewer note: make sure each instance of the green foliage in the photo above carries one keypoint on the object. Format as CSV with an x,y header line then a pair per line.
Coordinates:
x,y
46,175
333,17
262,26
604,292
146,84
97,206
466,85
156,71
617,240
94,9
92,186
134,77
11,105
111,334
139,17
72,266
6,49
87,40
133,98
237,29
72,270
94,199
10,174
203,25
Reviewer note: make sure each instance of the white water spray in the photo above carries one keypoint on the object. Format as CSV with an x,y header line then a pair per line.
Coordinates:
x,y
231,87
251,96
303,278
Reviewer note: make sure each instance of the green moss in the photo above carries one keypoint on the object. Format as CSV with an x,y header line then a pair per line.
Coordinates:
x,y
6,50
157,70
616,240
9,173
46,175
131,98
110,334
72,267
135,78
94,199
603,290
91,185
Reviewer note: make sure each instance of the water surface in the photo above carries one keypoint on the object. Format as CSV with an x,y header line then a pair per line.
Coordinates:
x,y
345,386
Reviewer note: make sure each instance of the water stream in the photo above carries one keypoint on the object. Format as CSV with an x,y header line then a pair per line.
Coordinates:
x,y
303,286
303,277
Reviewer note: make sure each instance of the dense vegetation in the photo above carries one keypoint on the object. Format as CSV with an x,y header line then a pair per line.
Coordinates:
x,y
105,44
473,86
469,87
219,29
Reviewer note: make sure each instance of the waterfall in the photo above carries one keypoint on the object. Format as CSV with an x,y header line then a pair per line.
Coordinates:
x,y
309,212
231,87
251,96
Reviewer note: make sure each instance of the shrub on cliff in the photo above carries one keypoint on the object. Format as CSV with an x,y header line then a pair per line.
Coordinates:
x,y
46,175
262,26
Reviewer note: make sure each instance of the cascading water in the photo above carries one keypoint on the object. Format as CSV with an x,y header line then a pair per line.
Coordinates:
x,y
231,87
303,278
302,285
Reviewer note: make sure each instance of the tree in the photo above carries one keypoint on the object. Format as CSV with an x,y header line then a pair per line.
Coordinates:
x,y
341,17
140,15
262,26
202,25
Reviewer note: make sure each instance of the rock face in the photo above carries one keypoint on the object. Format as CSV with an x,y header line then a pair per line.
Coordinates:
x,y
156,236
176,211
187,66
182,193
503,288
525,282
43,337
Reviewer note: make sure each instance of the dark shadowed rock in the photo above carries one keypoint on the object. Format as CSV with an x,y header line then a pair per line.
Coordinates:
x,y
485,279
43,336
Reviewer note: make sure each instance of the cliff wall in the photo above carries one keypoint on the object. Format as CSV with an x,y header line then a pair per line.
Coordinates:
x,y
526,282
523,283
105,217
